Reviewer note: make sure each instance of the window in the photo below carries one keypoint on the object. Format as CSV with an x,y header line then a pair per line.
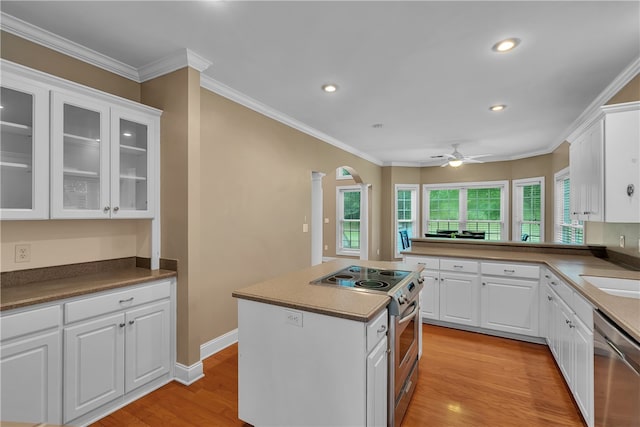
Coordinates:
x,y
566,230
474,207
528,210
406,214
348,220
342,173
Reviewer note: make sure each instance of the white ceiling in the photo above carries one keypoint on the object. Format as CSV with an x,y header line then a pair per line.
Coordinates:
x,y
425,70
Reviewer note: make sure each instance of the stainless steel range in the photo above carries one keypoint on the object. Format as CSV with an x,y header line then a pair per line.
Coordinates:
x,y
404,326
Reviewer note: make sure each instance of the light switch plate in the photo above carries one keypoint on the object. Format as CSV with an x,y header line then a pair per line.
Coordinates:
x,y
293,318
622,241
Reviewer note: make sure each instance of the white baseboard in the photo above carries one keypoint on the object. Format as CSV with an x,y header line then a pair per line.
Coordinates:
x,y
215,345
187,375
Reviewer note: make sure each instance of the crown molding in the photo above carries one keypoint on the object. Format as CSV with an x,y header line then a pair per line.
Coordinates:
x,y
594,109
53,41
221,89
173,62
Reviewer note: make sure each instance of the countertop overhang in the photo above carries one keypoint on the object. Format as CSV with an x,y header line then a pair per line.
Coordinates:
x,y
293,290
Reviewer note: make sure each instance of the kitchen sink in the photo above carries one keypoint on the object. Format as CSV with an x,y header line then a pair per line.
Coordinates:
x,y
629,288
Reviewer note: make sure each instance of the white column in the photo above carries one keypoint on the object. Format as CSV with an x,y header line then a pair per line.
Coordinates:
x,y
316,217
364,221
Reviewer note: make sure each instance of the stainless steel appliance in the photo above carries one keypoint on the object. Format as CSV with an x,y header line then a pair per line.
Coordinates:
x,y
404,326
616,363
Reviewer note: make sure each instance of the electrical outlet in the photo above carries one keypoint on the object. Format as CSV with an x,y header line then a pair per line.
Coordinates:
x,y
294,318
305,228
23,253
622,241
326,220
326,247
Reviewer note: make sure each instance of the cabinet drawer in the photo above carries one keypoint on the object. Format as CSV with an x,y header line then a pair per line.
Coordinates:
x,y
459,265
29,322
376,330
583,310
511,270
563,290
115,301
428,262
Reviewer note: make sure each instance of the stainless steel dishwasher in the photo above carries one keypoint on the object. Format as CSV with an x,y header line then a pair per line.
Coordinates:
x,y
616,363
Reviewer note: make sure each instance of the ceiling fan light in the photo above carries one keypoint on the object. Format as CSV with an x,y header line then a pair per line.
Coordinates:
x,y
455,163
330,87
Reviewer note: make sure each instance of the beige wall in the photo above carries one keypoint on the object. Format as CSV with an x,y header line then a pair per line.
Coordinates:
x,y
629,93
256,194
178,95
70,241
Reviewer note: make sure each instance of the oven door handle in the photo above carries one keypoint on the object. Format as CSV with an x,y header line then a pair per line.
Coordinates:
x,y
410,315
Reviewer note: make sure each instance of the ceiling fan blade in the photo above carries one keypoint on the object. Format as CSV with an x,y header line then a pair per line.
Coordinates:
x,y
445,164
479,155
468,160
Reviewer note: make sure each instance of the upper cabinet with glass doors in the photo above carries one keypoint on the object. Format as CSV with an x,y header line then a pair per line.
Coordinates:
x,y
70,151
24,148
102,159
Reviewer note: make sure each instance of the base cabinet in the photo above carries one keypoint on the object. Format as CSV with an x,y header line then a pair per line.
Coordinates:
x,y
509,305
76,360
298,368
30,369
459,298
430,305
113,355
377,369
570,338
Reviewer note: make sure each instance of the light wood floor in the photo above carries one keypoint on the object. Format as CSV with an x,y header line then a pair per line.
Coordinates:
x,y
466,379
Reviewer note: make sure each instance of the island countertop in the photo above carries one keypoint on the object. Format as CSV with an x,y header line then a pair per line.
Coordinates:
x,y
294,290
568,266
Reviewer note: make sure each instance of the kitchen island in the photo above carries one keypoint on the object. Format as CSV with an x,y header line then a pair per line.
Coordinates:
x,y
312,354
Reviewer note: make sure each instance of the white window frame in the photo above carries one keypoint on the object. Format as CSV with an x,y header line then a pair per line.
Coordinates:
x,y
558,209
340,218
517,185
415,202
463,187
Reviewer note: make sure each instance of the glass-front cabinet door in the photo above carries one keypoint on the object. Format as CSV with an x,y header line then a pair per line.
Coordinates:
x,y
24,149
132,172
79,158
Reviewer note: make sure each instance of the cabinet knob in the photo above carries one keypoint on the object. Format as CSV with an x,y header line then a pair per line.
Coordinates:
x,y
567,321
549,297
107,208
116,209
122,325
630,189
484,283
554,283
131,322
381,329
571,325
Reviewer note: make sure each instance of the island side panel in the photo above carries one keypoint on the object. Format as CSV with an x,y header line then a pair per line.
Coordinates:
x,y
297,368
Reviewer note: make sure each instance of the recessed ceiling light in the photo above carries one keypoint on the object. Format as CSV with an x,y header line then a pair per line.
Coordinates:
x,y
377,125
505,45
498,107
126,134
330,87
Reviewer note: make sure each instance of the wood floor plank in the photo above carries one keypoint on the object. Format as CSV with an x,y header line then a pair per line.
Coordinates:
x,y
466,379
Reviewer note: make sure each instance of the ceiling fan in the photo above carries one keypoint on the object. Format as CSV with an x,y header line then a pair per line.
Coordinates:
x,y
456,158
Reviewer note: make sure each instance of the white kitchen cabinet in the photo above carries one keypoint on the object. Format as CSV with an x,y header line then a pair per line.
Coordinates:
x,y
297,367
377,369
586,157
583,368
605,165
430,305
102,159
430,294
114,343
93,365
31,366
509,297
24,148
571,342
459,298
509,305
549,313
622,162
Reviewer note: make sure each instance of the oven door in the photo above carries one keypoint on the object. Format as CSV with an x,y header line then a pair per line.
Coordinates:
x,y
406,343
